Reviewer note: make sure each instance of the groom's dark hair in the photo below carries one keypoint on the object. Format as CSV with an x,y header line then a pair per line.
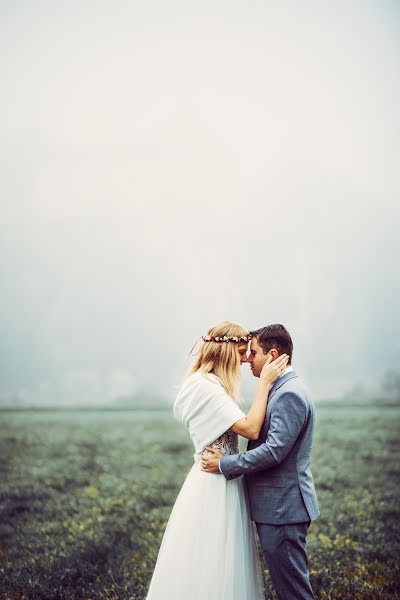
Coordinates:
x,y
274,336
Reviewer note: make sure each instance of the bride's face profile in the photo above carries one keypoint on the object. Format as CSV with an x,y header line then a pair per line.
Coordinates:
x,y
242,349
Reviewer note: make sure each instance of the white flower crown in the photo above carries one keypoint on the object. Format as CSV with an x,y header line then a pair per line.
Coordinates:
x,y
227,338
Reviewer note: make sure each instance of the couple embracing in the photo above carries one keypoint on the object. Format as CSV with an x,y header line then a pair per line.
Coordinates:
x,y
209,550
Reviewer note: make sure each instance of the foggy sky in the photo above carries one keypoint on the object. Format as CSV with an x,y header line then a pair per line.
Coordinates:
x,y
169,165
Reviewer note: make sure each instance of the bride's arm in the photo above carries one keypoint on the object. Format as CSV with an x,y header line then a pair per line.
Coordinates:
x,y
250,426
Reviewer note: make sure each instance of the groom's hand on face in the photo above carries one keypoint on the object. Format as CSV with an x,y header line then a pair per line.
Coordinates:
x,y
210,464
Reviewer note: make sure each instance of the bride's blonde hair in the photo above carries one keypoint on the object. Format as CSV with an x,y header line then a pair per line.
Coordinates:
x,y
221,358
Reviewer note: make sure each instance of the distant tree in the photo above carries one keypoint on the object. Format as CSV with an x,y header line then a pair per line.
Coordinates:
x,y
357,392
391,383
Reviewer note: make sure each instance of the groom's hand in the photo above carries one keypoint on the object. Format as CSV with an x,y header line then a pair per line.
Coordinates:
x,y
210,464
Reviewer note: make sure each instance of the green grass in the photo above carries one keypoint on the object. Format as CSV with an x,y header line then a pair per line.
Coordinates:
x,y
85,497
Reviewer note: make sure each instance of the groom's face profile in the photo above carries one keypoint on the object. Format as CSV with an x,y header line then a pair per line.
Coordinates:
x,y
257,358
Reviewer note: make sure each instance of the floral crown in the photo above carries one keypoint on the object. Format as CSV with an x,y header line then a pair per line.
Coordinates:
x,y
227,338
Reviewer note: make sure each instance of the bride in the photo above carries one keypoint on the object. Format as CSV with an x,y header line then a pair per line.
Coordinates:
x,y
208,551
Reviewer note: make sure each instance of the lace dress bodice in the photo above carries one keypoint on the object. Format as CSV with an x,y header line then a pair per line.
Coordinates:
x,y
227,443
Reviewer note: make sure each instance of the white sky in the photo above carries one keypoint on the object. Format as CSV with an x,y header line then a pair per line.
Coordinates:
x,y
168,165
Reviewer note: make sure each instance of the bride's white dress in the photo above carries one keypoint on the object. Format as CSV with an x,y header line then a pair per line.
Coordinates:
x,y
208,551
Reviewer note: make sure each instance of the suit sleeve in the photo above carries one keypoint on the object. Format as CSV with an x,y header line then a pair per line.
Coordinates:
x,y
287,420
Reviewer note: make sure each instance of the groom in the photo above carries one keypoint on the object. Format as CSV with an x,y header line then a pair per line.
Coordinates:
x,y
276,468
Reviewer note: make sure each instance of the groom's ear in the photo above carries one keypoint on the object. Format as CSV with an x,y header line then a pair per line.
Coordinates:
x,y
274,353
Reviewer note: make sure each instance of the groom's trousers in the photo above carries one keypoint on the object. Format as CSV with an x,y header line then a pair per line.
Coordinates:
x,y
285,553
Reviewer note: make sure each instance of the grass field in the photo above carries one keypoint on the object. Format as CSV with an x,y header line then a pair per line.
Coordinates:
x,y
85,496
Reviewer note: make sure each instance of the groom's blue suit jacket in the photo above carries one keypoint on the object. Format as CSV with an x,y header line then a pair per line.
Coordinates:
x,y
276,465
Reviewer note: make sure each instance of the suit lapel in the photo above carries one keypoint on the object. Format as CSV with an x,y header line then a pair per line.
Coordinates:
x,y
277,385
280,382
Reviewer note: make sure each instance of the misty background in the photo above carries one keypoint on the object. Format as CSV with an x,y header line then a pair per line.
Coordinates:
x,y
165,166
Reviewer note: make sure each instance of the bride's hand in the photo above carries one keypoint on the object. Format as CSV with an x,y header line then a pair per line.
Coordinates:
x,y
274,368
